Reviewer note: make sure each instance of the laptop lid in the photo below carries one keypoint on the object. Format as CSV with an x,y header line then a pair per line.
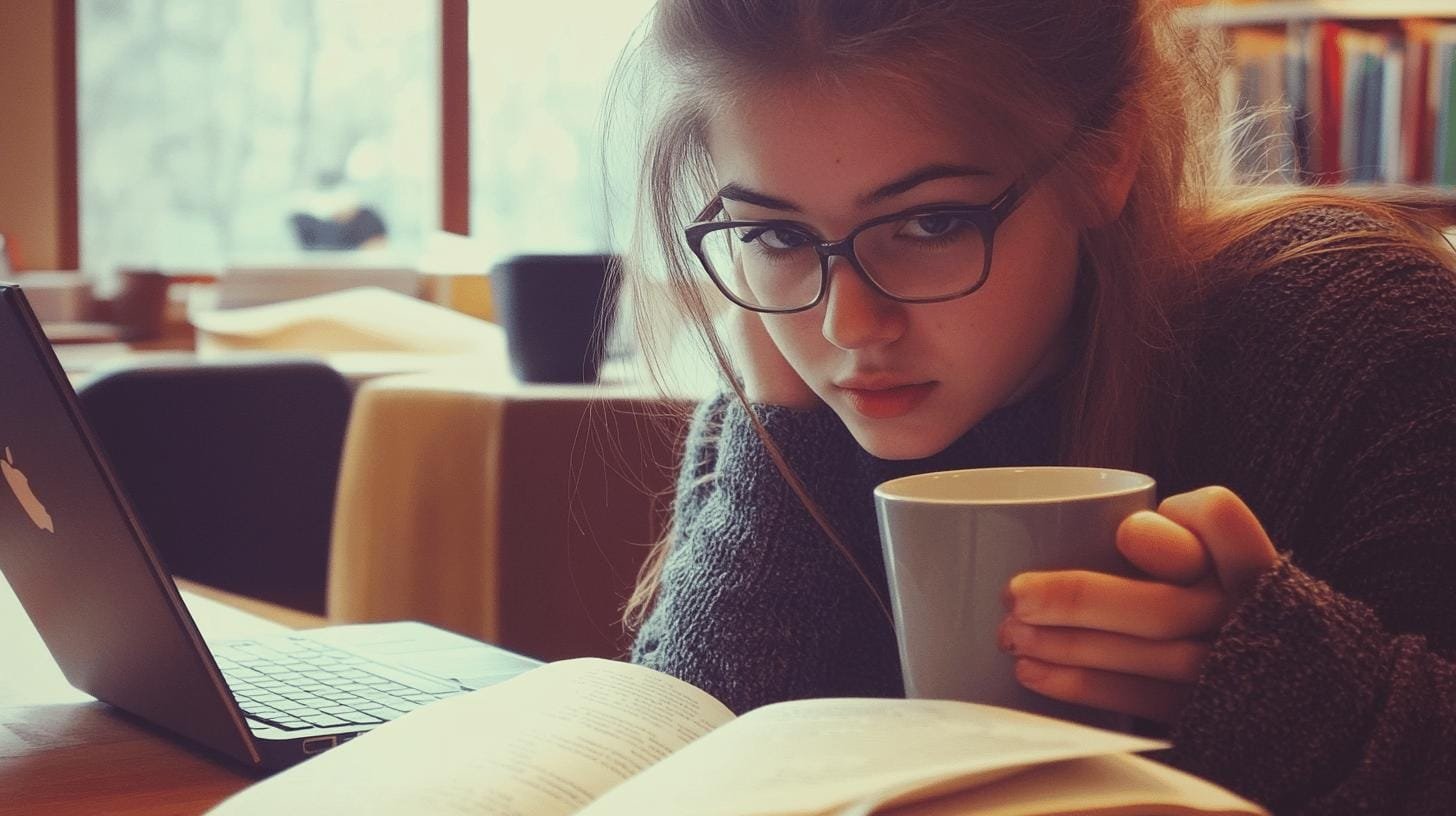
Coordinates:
x,y
77,559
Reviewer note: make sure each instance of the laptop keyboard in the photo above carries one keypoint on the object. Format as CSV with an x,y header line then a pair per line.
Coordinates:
x,y
293,684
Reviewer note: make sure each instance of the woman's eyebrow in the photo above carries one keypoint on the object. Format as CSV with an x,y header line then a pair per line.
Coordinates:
x,y
917,177
930,172
737,192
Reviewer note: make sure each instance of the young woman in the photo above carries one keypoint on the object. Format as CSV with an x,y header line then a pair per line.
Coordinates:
x,y
965,233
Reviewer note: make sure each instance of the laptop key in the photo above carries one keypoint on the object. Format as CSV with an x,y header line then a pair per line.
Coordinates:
x,y
325,721
361,718
344,698
411,681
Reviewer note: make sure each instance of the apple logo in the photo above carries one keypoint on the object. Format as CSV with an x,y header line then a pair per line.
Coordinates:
x,y
21,485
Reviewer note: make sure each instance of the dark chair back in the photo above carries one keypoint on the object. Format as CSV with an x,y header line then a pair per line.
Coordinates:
x,y
232,468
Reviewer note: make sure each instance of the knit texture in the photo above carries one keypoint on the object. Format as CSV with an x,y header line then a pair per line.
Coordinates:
x,y
1323,394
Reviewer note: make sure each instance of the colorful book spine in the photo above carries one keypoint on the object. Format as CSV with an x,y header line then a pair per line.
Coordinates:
x,y
1392,71
1332,95
1345,101
1441,82
1447,153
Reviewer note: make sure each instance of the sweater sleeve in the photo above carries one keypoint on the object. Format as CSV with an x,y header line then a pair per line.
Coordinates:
x,y
1310,704
1332,688
756,605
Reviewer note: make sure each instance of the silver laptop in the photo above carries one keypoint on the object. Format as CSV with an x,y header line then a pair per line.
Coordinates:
x,y
108,610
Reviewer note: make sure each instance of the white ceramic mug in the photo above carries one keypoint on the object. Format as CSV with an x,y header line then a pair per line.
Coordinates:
x,y
954,539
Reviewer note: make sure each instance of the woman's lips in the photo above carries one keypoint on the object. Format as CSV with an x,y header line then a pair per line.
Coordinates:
x,y
888,403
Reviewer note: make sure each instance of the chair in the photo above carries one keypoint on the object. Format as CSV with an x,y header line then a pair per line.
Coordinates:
x,y
231,468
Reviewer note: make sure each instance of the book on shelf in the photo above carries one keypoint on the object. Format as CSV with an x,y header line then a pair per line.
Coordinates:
x,y
599,737
1328,100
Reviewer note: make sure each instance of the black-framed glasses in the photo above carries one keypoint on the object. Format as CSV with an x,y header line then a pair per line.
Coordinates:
x,y
921,255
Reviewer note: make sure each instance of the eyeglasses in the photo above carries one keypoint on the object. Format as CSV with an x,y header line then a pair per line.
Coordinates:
x,y
923,255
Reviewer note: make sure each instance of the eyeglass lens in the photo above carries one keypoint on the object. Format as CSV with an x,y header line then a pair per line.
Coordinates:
x,y
919,257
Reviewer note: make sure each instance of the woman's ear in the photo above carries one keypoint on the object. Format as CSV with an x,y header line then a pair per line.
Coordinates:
x,y
1124,149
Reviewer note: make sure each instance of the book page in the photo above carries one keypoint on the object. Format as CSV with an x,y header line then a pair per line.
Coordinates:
x,y
1118,784
364,319
814,756
542,744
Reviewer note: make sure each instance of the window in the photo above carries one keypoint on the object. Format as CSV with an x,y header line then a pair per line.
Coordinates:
x,y
538,75
210,132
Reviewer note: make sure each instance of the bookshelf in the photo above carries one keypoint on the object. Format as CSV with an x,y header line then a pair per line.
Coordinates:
x,y
1338,90
1288,11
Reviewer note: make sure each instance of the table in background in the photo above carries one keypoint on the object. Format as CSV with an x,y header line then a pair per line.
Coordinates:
x,y
63,752
515,513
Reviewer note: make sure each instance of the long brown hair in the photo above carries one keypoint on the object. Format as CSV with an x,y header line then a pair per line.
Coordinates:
x,y
1125,75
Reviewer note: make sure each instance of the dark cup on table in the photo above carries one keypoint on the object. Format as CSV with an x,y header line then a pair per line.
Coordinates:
x,y
557,311
140,308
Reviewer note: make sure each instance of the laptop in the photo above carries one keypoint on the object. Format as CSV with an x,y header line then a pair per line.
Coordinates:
x,y
109,612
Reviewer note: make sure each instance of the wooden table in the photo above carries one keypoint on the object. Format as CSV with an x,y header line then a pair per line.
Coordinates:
x,y
515,513
62,752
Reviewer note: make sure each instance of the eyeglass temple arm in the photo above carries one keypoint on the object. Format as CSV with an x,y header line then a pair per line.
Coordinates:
x,y
714,208
1006,203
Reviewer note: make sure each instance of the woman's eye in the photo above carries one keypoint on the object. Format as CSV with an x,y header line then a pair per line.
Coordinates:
x,y
780,239
931,226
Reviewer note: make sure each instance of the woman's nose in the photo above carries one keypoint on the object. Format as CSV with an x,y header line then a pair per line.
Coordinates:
x,y
856,315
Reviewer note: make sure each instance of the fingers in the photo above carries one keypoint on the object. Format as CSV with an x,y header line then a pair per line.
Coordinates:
x,y
767,375
1166,551
1139,696
1240,549
1095,600
1173,660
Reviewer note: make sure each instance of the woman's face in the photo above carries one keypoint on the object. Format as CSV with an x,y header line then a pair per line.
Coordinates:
x,y
906,379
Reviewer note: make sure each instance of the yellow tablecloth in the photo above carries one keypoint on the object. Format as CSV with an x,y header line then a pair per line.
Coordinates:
x,y
511,512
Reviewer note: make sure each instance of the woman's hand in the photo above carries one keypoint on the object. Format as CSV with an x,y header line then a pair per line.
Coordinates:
x,y
1137,645
767,376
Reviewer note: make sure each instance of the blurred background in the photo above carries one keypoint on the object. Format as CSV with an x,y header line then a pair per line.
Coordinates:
x,y
192,136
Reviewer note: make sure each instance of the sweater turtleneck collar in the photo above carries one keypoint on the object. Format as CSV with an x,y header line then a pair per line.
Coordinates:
x,y
1024,433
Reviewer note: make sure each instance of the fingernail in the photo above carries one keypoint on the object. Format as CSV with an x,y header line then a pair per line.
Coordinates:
x,y
1004,639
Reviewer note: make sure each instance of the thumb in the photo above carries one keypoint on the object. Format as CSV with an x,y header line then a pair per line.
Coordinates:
x,y
1163,549
1240,549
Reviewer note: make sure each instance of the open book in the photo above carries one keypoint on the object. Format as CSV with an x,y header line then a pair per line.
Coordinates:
x,y
596,737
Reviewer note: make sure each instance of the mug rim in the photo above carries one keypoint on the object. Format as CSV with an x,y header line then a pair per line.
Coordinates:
x,y
885,491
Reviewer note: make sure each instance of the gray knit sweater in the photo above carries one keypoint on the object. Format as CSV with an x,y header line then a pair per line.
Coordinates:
x,y
1324,394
